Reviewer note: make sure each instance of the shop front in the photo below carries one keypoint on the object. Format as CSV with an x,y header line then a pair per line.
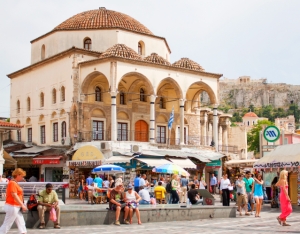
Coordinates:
x,y
83,161
26,163
283,157
51,167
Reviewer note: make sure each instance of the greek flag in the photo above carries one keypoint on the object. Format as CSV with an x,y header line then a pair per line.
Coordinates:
x,y
171,120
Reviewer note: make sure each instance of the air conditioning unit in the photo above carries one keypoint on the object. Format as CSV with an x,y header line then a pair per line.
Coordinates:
x,y
105,146
136,149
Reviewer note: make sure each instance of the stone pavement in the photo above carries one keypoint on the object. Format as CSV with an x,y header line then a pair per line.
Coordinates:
x,y
266,224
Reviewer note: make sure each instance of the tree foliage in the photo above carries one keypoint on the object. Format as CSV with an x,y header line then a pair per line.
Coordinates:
x,y
253,135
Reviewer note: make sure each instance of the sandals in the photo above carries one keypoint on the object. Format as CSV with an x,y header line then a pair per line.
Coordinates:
x,y
56,226
286,224
42,226
279,220
139,222
126,221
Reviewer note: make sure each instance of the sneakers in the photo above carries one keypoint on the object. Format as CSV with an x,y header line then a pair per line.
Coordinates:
x,y
117,222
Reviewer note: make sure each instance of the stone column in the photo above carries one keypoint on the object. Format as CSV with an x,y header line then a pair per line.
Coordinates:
x,y
1,153
152,119
215,126
209,133
225,138
113,116
204,129
220,135
181,103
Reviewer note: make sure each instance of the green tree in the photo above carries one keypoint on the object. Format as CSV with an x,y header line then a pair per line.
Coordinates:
x,y
253,135
236,117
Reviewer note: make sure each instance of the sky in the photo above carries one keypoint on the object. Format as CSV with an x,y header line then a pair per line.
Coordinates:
x,y
257,38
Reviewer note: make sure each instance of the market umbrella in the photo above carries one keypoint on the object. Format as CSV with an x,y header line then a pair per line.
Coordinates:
x,y
171,169
108,169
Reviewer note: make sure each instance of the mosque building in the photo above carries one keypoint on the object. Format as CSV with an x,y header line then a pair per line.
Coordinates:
x,y
102,77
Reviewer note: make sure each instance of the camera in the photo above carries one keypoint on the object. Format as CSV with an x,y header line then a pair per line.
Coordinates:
x,y
238,194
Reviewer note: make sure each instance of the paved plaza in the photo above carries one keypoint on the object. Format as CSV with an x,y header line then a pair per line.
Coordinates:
x,y
266,224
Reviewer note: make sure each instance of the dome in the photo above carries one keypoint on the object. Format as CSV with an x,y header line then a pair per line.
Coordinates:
x,y
188,64
155,58
121,50
102,19
250,114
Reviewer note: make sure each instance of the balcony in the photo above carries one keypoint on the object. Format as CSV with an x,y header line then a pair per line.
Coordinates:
x,y
228,149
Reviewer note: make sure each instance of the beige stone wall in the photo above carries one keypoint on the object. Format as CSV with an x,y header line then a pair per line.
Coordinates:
x,y
238,136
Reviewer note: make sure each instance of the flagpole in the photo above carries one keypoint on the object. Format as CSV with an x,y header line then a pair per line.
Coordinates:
x,y
170,122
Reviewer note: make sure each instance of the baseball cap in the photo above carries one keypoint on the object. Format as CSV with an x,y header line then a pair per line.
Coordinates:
x,y
129,186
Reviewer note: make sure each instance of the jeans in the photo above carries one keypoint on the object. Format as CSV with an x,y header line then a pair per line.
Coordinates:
x,y
13,214
144,202
175,197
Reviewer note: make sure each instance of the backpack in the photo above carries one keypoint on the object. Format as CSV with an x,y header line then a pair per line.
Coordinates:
x,y
32,203
169,187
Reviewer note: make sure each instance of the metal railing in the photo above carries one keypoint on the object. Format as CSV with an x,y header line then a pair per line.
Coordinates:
x,y
35,187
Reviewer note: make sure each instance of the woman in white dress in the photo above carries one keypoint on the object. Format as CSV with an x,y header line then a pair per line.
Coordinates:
x,y
132,198
202,183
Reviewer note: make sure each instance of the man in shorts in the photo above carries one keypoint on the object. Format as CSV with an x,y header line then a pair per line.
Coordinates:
x,y
242,200
117,204
249,182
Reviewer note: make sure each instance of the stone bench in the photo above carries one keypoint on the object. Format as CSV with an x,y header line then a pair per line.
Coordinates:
x,y
78,215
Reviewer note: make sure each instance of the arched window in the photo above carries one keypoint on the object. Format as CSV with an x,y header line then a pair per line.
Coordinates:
x,y
43,52
97,94
248,123
42,100
140,48
122,98
62,94
18,106
54,96
88,44
28,104
142,95
162,103
63,129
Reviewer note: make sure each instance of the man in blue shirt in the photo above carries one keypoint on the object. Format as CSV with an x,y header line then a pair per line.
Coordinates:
x,y
98,181
89,180
137,183
249,182
213,183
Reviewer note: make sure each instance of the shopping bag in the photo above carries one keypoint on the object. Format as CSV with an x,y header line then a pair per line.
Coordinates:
x,y
210,189
53,215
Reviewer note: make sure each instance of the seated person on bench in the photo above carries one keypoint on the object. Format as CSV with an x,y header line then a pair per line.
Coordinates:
x,y
116,202
48,199
194,196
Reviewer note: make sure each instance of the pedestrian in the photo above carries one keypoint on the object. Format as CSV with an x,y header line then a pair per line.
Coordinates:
x,y
98,181
184,184
89,180
175,189
242,200
143,180
258,194
136,183
202,183
32,179
80,187
213,183
248,184
194,196
169,190
285,201
196,182
145,196
3,179
14,203
224,190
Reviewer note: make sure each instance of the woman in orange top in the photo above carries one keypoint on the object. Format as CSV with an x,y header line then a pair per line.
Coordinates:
x,y
14,203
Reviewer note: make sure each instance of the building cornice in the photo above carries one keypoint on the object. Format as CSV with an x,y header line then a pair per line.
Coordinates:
x,y
142,62
52,58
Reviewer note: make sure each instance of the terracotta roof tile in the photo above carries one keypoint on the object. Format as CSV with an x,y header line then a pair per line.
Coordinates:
x,y
155,58
121,50
250,114
188,64
102,19
12,125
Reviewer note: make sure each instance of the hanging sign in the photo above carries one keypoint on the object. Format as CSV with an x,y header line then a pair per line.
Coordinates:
x,y
271,133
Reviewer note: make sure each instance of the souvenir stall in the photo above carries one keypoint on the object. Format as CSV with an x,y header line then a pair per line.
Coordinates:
x,y
83,161
283,157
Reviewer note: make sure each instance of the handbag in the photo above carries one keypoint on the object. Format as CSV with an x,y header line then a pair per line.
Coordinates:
x,y
274,204
210,189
